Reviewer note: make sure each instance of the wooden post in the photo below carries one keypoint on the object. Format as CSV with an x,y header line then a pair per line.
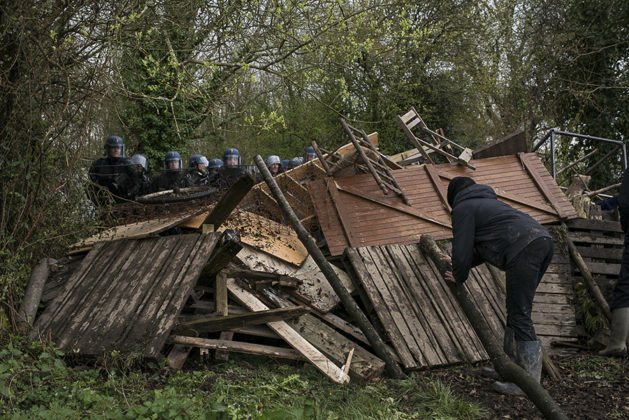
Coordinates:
x,y
32,296
230,245
509,370
348,302
229,201
587,275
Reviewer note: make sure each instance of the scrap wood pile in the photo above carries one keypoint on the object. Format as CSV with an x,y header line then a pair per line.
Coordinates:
x,y
231,274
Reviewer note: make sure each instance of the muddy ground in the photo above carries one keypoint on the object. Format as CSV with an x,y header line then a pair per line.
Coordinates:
x,y
591,387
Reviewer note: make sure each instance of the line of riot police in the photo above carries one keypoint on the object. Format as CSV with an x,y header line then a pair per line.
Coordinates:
x,y
118,178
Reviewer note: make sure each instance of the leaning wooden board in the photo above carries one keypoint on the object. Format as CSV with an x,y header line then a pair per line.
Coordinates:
x,y
287,333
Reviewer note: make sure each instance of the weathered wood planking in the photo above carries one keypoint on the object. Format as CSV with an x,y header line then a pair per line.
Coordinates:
x,y
419,314
136,230
126,294
370,223
290,335
336,346
314,285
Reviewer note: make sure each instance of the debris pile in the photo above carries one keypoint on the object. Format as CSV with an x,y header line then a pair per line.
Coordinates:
x,y
227,273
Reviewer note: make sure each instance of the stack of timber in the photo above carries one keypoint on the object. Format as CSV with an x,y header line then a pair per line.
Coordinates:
x,y
255,313
600,244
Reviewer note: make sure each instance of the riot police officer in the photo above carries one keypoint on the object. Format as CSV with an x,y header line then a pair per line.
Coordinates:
x,y
110,176
172,177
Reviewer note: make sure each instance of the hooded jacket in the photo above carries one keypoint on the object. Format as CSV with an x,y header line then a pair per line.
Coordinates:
x,y
488,230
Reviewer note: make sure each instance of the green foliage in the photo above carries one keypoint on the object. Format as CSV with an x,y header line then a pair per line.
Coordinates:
x,y
588,312
35,382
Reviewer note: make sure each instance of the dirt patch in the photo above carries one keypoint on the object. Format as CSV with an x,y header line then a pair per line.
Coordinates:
x,y
591,387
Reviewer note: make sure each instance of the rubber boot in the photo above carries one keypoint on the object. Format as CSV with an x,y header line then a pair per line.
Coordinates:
x,y
617,344
509,343
529,358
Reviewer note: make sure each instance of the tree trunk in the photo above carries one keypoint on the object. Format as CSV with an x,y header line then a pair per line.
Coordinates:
x,y
509,370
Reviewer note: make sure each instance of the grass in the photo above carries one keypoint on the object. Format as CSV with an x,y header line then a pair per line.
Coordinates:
x,y
38,383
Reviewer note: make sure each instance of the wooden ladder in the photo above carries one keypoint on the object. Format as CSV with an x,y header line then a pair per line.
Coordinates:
x,y
437,141
378,168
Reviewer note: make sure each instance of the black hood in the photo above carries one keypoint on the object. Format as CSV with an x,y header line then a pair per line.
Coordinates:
x,y
475,191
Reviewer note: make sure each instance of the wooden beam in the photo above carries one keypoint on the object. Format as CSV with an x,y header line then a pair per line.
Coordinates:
x,y
177,356
230,246
229,201
222,323
291,336
433,175
541,185
237,347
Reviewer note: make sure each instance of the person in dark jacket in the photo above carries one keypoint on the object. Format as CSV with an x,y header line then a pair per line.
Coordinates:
x,y
488,230
617,345
172,177
110,175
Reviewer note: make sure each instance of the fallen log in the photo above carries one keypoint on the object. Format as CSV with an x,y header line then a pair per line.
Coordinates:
x,y
509,370
229,246
348,301
32,296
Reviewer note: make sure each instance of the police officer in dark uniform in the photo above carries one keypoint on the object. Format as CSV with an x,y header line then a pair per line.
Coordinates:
x,y
172,177
110,176
141,182
487,230
197,170
229,173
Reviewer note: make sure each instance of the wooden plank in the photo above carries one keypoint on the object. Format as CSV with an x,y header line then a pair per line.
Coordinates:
x,y
387,320
290,335
238,347
546,192
597,225
600,253
588,238
268,236
227,322
177,356
603,268
138,230
433,174
336,346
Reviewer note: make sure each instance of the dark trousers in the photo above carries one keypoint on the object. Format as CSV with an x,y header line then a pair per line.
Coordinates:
x,y
621,291
524,273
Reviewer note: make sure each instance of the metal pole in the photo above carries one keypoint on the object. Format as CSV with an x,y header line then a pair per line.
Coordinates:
x,y
624,155
552,153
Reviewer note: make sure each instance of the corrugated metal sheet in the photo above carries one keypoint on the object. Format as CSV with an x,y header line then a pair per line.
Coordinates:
x,y
126,294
